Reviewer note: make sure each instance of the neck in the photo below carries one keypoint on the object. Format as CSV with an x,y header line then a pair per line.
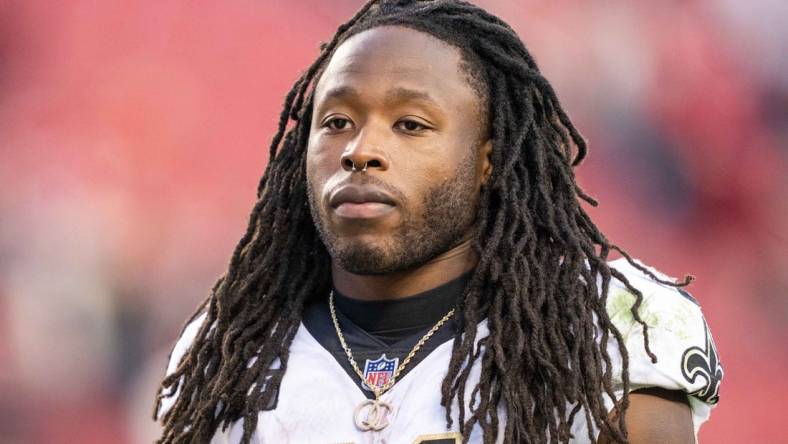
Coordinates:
x,y
444,268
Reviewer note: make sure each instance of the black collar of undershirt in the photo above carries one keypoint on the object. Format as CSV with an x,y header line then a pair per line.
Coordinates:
x,y
399,325
393,320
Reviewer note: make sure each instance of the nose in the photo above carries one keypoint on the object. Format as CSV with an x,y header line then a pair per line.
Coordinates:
x,y
364,155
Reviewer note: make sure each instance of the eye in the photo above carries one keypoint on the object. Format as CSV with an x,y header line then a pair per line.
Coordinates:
x,y
337,123
411,126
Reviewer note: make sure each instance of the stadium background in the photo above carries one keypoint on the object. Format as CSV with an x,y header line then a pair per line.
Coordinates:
x,y
132,135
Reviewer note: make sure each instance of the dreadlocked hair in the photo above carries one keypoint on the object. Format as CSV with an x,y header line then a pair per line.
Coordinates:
x,y
540,259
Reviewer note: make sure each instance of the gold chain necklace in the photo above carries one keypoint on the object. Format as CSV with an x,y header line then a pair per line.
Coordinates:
x,y
372,414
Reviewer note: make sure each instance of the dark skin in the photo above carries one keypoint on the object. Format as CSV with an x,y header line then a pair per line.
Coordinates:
x,y
379,102
399,102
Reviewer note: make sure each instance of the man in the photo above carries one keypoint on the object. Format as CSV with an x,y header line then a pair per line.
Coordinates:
x,y
418,268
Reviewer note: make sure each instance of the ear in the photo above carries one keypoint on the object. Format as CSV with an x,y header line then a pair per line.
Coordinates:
x,y
485,156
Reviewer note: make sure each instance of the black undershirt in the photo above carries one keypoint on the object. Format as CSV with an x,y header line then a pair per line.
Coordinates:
x,y
391,328
394,320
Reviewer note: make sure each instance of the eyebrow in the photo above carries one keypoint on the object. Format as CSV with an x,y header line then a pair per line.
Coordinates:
x,y
404,94
393,95
340,92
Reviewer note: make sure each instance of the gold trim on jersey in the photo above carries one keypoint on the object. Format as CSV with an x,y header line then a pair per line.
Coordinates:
x,y
456,436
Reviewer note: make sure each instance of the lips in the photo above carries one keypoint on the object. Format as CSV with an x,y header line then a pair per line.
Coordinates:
x,y
361,202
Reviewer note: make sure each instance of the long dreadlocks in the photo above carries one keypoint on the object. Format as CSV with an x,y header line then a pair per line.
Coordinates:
x,y
540,258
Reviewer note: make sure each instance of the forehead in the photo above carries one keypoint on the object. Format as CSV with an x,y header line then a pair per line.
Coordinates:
x,y
391,57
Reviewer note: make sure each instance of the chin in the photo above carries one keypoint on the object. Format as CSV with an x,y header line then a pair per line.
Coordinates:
x,y
364,258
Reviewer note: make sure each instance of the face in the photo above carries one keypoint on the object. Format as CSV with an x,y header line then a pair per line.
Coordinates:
x,y
396,154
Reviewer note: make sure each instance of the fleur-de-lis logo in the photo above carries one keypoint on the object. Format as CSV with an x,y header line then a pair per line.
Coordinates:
x,y
705,363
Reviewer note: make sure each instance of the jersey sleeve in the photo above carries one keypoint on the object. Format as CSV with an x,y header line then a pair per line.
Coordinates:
x,y
179,350
678,335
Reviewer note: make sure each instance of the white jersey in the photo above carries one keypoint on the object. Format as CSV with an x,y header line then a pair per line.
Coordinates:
x,y
319,399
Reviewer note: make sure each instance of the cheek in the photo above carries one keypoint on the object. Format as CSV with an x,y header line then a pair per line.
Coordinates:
x,y
470,156
318,164
447,161
312,154
427,161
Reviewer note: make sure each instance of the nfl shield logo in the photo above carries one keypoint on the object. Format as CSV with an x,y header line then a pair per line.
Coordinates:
x,y
378,372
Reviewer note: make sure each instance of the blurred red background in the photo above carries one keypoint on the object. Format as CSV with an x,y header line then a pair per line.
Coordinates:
x,y
133,134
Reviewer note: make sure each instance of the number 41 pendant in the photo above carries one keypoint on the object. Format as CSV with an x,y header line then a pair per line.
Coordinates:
x,y
372,414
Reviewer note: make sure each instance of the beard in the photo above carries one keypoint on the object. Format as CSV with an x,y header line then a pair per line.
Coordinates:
x,y
448,213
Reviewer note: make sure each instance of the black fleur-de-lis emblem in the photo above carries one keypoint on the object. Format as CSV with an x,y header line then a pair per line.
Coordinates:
x,y
704,363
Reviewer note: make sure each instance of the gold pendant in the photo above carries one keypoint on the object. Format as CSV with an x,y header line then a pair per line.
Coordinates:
x,y
372,414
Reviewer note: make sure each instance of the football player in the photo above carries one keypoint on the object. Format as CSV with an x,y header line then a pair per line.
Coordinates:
x,y
418,268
